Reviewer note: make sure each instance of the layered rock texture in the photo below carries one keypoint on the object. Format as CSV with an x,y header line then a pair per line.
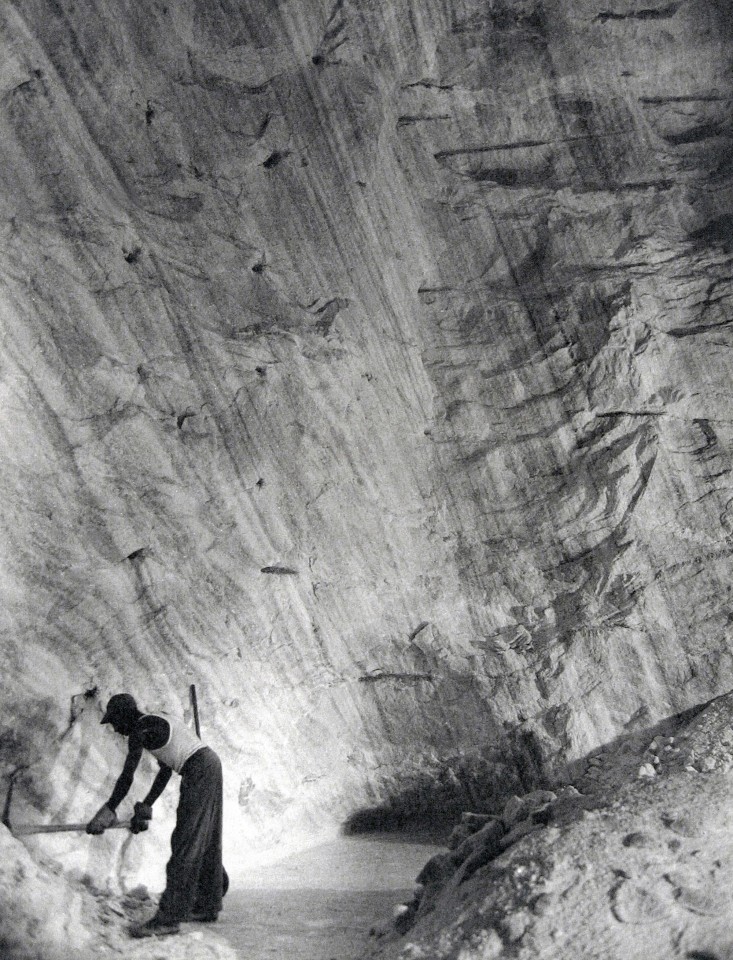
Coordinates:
x,y
367,365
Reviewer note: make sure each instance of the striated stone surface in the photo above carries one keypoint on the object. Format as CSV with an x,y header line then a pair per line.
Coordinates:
x,y
366,364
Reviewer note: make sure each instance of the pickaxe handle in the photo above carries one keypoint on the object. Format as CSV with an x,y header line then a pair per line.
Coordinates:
x,y
27,828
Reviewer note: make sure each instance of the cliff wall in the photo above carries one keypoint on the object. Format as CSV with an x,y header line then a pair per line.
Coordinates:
x,y
366,364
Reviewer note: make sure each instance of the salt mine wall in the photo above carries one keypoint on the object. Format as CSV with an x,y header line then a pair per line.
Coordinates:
x,y
367,364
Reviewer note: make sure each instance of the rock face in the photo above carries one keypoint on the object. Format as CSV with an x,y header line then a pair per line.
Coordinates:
x,y
366,364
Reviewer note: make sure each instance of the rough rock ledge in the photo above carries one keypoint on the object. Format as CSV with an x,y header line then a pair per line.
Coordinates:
x,y
622,864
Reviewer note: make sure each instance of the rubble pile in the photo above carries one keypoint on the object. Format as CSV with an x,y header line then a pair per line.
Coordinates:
x,y
634,859
46,914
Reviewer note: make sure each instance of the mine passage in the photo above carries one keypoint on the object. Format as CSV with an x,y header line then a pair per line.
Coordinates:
x,y
322,903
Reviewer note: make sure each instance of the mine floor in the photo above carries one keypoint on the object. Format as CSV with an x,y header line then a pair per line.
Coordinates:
x,y
322,903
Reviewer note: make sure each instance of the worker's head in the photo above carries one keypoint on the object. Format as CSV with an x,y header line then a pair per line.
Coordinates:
x,y
121,713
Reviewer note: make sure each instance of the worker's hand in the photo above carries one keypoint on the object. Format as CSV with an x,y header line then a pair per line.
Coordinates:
x,y
141,818
101,820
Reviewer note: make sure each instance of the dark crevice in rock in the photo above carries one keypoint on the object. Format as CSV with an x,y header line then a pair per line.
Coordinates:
x,y
691,98
704,132
648,13
616,414
617,186
512,177
182,417
276,157
697,329
418,629
408,120
138,554
429,85
331,37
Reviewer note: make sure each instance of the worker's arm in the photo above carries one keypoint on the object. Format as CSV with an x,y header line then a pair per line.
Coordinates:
x,y
144,811
106,816
124,781
158,785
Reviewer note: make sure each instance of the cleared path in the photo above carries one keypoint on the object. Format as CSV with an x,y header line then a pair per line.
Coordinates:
x,y
322,903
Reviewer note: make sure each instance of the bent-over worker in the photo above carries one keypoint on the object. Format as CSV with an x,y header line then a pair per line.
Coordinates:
x,y
195,877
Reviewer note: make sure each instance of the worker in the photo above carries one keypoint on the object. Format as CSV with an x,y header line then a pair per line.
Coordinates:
x,y
195,877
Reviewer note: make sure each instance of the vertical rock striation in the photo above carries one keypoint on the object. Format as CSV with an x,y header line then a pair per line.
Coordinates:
x,y
367,365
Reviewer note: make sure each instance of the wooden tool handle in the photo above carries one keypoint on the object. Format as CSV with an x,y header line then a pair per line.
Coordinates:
x,y
195,706
29,828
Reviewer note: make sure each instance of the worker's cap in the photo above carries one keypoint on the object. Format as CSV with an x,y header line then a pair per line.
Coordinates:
x,y
121,705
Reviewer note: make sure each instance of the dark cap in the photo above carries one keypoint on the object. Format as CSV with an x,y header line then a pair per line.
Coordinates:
x,y
121,705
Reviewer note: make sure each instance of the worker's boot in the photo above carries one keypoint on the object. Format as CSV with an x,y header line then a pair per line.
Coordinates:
x,y
157,926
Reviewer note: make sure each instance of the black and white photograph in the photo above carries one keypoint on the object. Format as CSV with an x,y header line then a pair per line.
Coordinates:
x,y
366,479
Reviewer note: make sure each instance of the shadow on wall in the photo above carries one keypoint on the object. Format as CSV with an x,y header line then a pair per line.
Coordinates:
x,y
23,745
434,798
29,747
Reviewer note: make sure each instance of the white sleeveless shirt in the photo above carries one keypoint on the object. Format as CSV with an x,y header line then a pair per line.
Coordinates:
x,y
180,746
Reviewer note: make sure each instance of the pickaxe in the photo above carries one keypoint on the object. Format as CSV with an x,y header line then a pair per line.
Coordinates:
x,y
28,828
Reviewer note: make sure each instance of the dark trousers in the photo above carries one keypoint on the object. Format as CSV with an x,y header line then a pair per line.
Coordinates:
x,y
194,873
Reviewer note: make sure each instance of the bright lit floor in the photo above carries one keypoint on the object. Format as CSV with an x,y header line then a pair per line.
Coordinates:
x,y
322,903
